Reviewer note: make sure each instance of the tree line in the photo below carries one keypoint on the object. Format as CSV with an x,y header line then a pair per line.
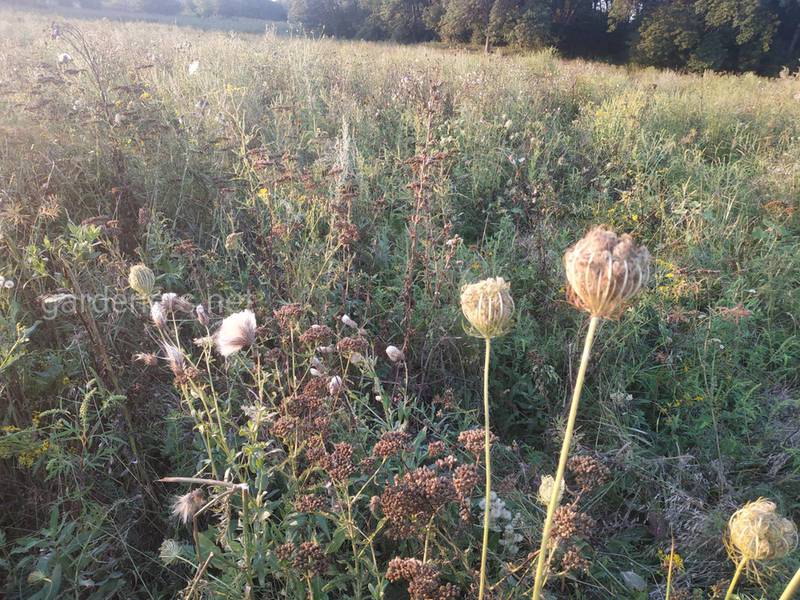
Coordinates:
x,y
693,35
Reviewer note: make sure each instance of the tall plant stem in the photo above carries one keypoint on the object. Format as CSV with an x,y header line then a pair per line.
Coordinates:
x,y
735,580
794,584
541,565
488,457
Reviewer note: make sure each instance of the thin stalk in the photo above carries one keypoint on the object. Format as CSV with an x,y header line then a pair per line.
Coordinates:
x,y
488,457
246,541
792,588
562,460
735,580
669,570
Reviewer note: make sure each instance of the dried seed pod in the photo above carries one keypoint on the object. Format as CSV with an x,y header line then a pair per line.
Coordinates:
x,y
488,307
757,532
604,271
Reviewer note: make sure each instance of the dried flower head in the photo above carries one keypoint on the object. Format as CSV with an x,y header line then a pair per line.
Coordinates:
x,y
185,507
237,332
202,315
142,280
172,303
391,443
157,315
605,271
335,385
422,578
757,532
588,471
310,558
176,359
569,522
473,441
316,334
546,490
488,307
147,358
395,354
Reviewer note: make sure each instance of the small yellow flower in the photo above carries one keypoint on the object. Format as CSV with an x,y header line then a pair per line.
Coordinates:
x,y
263,194
144,96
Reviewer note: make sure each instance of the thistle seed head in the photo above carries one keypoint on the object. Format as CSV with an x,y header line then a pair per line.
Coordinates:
x,y
757,532
185,507
176,360
488,307
237,332
142,280
157,315
395,354
605,271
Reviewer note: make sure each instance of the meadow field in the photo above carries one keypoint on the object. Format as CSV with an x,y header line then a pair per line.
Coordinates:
x,y
345,193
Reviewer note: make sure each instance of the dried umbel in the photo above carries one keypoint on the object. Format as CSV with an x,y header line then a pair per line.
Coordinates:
x,y
237,332
142,280
391,443
488,307
185,507
546,489
757,532
605,271
423,579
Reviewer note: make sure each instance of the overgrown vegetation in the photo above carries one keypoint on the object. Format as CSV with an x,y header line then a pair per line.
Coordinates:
x,y
307,180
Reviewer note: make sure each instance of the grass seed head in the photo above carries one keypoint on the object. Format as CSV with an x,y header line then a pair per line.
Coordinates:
x,y
604,271
757,532
488,307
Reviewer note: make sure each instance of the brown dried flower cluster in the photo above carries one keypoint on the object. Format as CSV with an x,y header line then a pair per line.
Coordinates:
x,y
339,463
349,345
310,503
287,315
436,448
316,335
411,502
604,272
423,579
588,471
572,561
472,440
391,443
310,558
568,522
285,552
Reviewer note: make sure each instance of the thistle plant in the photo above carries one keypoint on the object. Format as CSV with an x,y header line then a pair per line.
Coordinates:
x,y
756,532
604,271
488,308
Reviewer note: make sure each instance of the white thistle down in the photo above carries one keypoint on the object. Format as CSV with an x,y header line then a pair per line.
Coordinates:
x,y
237,332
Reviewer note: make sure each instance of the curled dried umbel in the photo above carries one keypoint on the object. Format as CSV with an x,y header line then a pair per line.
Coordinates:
x,y
546,489
488,307
604,271
756,532
142,280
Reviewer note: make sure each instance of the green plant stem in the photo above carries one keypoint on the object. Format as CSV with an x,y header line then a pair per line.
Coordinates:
x,y
246,541
735,580
792,588
562,460
488,457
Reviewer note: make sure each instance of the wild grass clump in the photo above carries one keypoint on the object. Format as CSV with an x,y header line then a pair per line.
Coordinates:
x,y
233,359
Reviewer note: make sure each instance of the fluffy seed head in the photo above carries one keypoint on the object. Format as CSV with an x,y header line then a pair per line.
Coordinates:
x,y
757,532
236,333
157,315
335,385
488,307
142,280
176,359
546,489
185,507
395,354
604,271
172,303
202,315
349,322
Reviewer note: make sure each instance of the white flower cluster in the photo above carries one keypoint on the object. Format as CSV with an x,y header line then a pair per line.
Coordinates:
x,y
6,283
621,397
501,519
